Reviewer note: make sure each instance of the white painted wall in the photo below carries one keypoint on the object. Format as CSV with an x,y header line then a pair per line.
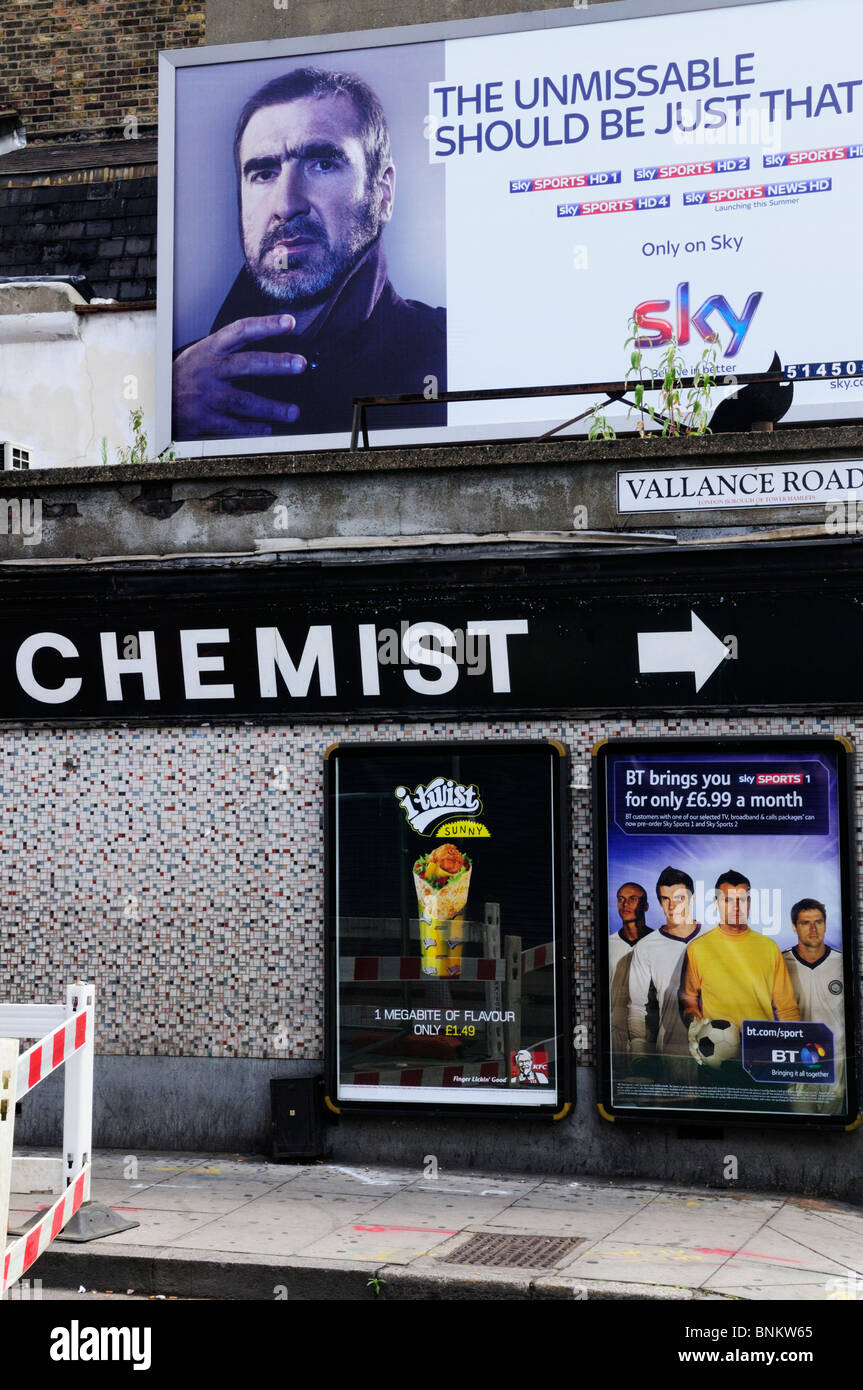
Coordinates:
x,y
68,379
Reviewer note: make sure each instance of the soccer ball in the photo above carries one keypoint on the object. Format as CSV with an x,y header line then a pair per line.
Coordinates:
x,y
714,1041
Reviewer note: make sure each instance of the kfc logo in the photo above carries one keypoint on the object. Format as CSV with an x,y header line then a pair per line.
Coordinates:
x,y
528,1068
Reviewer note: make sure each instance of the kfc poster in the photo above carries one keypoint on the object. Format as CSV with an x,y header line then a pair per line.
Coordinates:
x,y
727,938
446,917
424,209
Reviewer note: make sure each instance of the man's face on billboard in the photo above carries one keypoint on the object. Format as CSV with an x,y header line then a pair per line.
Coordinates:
x,y
629,900
307,212
524,1063
675,900
732,901
810,927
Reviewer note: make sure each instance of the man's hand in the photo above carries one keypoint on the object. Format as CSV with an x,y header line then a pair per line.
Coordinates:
x,y
207,403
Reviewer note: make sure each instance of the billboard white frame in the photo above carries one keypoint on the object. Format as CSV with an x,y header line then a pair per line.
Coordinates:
x,y
171,62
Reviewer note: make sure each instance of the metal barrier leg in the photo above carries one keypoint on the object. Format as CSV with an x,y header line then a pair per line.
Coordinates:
x,y
493,990
78,1090
93,1219
512,993
8,1069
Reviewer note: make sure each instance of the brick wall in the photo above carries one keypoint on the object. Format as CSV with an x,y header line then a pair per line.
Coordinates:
x,y
76,69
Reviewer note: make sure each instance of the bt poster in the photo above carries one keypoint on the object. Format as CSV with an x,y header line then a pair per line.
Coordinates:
x,y
726,935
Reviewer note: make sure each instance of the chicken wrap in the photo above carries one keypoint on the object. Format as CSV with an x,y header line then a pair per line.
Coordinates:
x,y
442,882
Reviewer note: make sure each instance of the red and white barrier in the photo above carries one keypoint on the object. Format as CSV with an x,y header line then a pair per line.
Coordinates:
x,y
27,1249
69,1041
49,1054
357,968
536,958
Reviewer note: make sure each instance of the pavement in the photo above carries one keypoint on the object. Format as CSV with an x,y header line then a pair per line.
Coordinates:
x,y
228,1227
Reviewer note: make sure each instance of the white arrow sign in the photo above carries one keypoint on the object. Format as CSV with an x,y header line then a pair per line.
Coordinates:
x,y
699,651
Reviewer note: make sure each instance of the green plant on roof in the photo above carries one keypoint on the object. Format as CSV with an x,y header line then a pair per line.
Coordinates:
x,y
139,450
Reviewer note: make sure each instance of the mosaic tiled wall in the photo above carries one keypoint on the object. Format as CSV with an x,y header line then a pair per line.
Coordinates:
x,y
182,870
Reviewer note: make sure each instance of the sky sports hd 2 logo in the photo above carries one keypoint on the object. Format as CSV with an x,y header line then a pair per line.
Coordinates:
x,y
435,804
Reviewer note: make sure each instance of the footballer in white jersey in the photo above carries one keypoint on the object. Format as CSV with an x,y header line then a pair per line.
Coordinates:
x,y
631,905
818,980
656,972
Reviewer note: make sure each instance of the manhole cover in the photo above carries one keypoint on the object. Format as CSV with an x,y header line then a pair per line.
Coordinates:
x,y
517,1252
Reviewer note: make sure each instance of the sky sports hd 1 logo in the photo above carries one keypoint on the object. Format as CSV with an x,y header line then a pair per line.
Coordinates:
x,y
716,306
547,183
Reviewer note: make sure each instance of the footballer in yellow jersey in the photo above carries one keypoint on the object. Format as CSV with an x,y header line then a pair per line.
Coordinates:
x,y
733,972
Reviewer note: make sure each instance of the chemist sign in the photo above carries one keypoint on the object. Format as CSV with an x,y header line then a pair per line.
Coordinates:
x,y
695,174
446,919
478,636
726,930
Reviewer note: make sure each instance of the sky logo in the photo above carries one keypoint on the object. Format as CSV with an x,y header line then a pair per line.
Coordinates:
x,y
716,309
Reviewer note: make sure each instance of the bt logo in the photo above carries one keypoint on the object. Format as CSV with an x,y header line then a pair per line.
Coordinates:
x,y
662,329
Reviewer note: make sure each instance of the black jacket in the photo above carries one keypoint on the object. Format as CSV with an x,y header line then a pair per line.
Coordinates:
x,y
366,341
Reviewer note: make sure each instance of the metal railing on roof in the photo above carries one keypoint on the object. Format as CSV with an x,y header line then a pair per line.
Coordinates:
x,y
611,391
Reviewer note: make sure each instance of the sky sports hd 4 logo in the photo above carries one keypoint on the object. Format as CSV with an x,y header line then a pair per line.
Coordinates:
x,y
656,331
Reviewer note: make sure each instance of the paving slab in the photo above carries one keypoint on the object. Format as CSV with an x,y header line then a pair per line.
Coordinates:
x,y
345,1178
558,1221
696,1221
778,1291
461,1185
288,1232
377,1245
194,1196
821,1236
584,1196
142,1166
770,1249
646,1264
421,1208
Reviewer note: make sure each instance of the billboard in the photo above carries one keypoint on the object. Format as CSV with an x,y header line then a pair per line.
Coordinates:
x,y
726,937
448,964
490,204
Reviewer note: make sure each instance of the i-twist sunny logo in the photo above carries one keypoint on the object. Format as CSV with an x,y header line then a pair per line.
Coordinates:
x,y
443,808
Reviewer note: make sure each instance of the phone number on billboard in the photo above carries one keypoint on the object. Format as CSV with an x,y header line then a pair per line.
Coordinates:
x,y
814,369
